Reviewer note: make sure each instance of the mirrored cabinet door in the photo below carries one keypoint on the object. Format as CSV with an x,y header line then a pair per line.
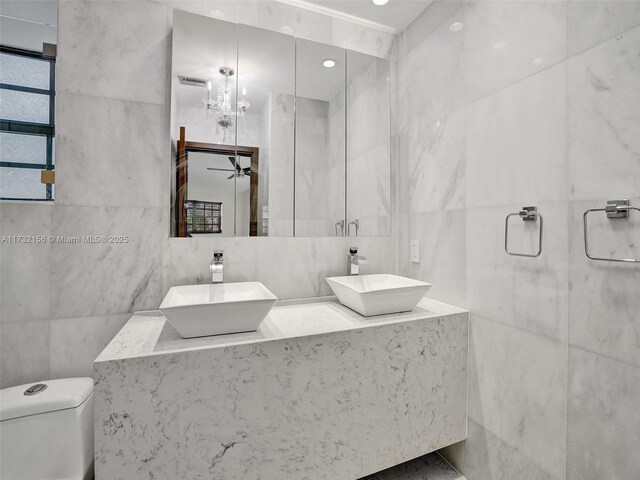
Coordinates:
x,y
319,140
368,146
203,124
266,88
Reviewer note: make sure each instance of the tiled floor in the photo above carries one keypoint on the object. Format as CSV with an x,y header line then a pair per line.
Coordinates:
x,y
429,467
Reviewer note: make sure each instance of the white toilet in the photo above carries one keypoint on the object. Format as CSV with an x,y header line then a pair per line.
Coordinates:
x,y
46,430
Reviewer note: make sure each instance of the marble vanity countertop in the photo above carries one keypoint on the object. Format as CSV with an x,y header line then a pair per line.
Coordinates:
x,y
148,333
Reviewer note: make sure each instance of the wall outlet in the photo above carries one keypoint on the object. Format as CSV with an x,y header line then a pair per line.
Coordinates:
x,y
415,251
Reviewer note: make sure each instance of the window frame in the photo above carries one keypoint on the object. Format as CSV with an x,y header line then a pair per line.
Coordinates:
x,y
32,128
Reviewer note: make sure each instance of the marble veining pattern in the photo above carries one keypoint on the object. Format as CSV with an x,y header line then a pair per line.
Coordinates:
x,y
339,404
506,41
113,49
99,166
105,278
592,326
590,22
603,145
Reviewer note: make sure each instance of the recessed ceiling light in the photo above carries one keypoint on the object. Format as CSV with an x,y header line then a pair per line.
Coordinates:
x,y
456,27
287,30
380,2
329,62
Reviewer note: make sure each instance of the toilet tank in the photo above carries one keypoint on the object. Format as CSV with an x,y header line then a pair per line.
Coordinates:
x,y
47,432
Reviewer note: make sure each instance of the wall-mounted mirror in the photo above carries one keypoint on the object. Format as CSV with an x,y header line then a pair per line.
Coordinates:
x,y
262,139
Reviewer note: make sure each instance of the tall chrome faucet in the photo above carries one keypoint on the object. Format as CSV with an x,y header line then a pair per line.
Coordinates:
x,y
354,261
216,267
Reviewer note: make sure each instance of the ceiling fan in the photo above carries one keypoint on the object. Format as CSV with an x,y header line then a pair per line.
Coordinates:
x,y
238,171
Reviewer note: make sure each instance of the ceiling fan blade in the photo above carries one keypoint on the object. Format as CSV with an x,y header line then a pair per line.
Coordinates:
x,y
233,161
231,176
221,169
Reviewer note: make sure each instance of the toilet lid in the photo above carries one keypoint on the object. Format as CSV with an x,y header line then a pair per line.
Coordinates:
x,y
44,397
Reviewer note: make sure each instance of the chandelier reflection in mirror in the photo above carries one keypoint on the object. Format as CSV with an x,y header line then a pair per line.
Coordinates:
x,y
222,108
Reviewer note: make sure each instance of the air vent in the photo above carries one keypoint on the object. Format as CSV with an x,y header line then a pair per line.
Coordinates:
x,y
192,81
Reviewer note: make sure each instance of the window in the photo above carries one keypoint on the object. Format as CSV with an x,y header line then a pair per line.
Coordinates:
x,y
27,129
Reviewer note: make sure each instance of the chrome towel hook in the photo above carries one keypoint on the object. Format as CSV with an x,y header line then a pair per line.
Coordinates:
x,y
616,209
528,214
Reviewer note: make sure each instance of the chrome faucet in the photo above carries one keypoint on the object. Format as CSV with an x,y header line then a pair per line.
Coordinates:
x,y
216,267
354,261
355,223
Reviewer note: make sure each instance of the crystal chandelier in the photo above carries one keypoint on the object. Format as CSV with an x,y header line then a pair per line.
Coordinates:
x,y
222,109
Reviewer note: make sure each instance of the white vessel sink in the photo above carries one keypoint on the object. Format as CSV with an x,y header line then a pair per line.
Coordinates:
x,y
217,309
378,294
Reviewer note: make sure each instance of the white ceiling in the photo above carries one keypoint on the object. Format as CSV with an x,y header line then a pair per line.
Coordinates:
x,y
394,17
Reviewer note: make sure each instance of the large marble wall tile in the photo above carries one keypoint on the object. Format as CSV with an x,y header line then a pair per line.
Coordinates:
x,y
432,80
529,293
24,352
76,342
516,143
25,267
603,421
437,164
94,279
113,49
489,458
430,20
289,267
517,391
506,41
442,254
110,153
604,126
590,22
604,299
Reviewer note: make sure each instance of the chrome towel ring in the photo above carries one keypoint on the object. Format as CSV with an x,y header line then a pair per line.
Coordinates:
x,y
616,209
528,214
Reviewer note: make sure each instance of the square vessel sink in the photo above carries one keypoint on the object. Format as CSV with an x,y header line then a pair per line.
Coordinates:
x,y
217,309
378,294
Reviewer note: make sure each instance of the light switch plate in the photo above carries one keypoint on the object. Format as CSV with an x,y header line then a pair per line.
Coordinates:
x,y
415,251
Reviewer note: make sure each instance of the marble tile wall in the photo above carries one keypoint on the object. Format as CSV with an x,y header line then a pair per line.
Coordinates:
x,y
61,303
510,103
